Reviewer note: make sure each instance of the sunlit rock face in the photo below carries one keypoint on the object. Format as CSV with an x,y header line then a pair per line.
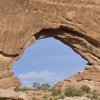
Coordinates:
x,y
90,77
76,23
12,95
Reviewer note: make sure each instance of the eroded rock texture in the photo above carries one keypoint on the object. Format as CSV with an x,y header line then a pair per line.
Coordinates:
x,y
12,95
76,23
90,77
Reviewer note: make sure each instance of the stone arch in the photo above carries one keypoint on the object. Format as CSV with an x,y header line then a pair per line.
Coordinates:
x,y
71,38
21,25
38,60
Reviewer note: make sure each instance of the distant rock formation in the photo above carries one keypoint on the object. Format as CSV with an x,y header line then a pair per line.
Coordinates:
x,y
76,23
90,77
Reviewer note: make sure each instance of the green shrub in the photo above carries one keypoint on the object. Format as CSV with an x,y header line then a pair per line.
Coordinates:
x,y
45,97
45,86
51,98
61,97
71,91
89,96
24,89
56,92
39,86
17,88
34,98
95,96
55,98
85,89
36,85
78,92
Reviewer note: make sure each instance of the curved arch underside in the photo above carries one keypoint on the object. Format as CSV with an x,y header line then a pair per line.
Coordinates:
x,y
22,22
75,40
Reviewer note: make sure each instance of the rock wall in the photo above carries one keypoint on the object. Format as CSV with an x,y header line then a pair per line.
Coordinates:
x,y
22,22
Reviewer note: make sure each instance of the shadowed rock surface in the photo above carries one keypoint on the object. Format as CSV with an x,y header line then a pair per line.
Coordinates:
x,y
76,23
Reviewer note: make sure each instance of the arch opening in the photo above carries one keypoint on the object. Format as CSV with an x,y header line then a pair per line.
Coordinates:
x,y
80,43
47,61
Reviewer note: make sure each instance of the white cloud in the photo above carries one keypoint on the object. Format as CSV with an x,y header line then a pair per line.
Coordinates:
x,y
27,79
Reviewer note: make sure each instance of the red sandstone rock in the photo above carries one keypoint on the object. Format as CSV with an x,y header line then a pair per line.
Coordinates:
x,y
90,77
9,82
76,23
12,95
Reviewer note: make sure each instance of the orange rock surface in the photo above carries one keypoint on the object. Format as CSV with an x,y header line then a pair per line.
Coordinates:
x,y
76,23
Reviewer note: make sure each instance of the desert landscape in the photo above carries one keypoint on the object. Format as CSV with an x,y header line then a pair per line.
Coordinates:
x,y
76,23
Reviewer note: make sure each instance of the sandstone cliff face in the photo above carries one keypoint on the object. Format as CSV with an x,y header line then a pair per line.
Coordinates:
x,y
22,22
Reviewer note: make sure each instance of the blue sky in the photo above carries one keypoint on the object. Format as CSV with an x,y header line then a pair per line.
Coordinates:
x,y
47,61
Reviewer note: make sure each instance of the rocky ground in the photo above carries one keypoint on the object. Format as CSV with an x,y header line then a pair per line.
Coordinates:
x,y
76,98
76,23
90,77
36,95
32,95
6,94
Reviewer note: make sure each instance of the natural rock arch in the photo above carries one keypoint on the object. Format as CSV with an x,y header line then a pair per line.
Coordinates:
x,y
22,22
